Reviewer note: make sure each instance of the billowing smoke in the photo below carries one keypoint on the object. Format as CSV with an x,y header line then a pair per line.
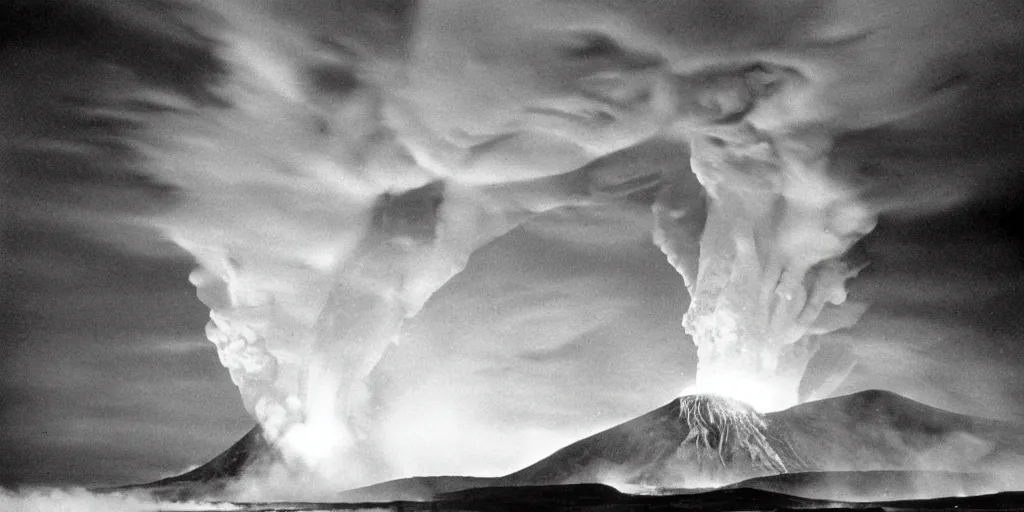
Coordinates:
x,y
276,200
316,233
767,259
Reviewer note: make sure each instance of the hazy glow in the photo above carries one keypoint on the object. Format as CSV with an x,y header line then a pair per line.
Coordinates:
x,y
316,444
741,386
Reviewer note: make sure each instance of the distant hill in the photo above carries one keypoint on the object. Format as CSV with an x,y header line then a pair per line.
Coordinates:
x,y
875,485
880,430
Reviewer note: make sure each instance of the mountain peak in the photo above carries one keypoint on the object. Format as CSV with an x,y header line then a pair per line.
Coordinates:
x,y
696,440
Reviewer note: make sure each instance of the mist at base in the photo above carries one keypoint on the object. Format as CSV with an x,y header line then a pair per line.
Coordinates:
x,y
82,500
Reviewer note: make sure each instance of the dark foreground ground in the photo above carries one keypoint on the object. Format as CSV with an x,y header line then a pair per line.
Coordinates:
x,y
595,497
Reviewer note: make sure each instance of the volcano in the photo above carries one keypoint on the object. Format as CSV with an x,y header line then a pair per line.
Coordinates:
x,y
870,445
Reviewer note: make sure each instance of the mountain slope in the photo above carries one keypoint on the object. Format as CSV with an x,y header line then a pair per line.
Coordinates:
x,y
621,453
210,479
880,430
855,438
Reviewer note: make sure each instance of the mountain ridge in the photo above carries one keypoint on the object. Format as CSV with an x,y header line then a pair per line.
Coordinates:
x,y
854,438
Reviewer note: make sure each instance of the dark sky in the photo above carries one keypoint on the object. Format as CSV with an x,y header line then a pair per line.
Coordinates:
x,y
104,357
107,376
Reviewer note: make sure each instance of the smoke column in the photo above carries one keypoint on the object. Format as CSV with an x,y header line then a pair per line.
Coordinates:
x,y
280,190
767,259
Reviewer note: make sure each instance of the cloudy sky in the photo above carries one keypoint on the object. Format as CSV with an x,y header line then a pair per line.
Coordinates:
x,y
565,326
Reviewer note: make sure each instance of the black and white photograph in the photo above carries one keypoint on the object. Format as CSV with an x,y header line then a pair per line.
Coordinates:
x,y
511,255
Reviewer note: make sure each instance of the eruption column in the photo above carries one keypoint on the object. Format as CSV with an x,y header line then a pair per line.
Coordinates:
x,y
296,203
773,258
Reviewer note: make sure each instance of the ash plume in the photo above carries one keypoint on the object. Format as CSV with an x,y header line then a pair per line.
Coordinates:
x,y
787,197
767,269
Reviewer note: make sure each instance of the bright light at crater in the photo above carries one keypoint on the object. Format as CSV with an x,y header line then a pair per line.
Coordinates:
x,y
743,388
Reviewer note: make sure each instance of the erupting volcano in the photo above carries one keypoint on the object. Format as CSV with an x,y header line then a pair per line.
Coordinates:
x,y
477,236
725,433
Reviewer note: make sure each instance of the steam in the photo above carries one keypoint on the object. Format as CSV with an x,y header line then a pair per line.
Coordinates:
x,y
81,500
767,260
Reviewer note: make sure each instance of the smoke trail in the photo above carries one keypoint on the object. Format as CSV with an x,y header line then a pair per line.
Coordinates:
x,y
767,266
